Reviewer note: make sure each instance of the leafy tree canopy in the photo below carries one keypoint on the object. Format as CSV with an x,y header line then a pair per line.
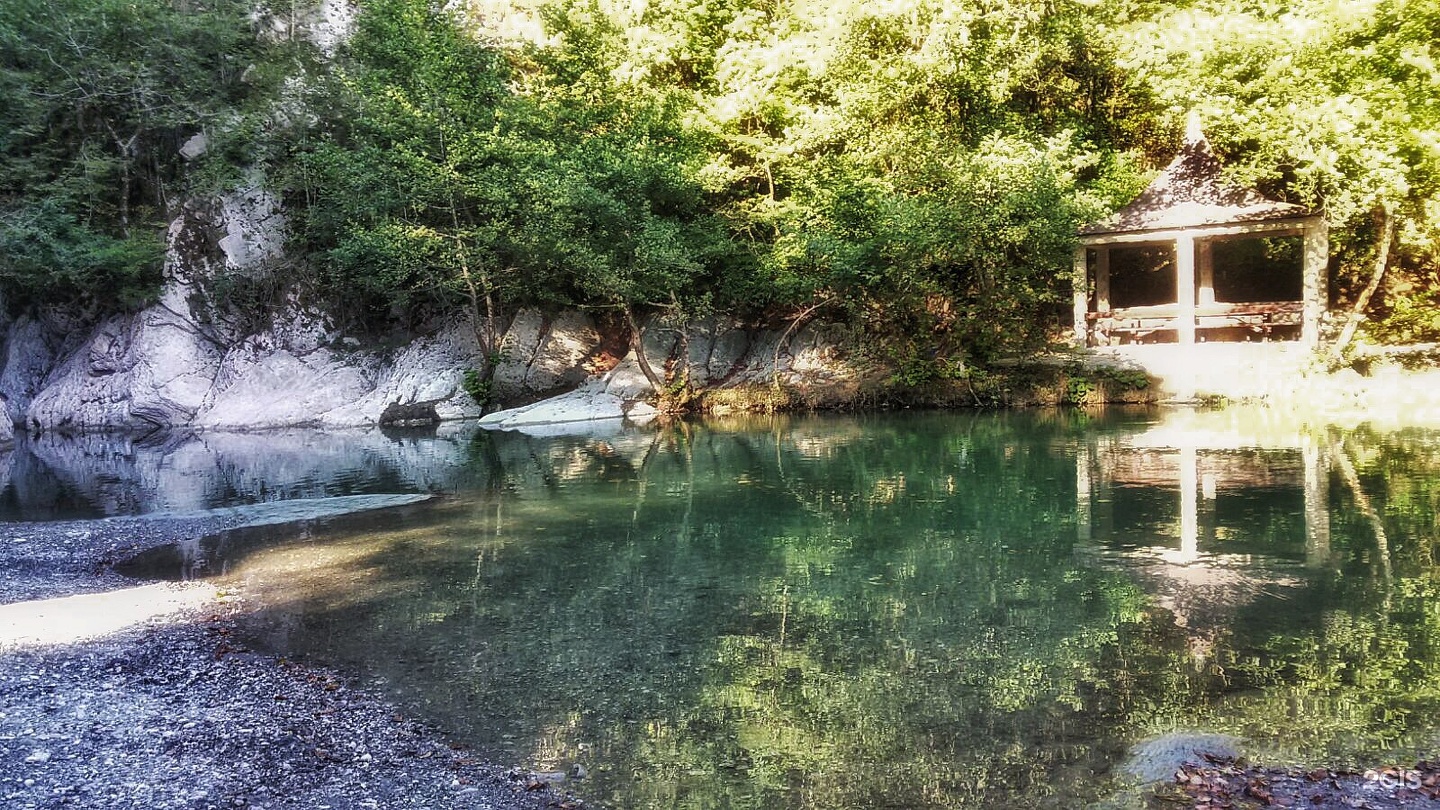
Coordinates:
x,y
917,167
96,97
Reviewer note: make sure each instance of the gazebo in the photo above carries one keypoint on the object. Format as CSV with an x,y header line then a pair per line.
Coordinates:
x,y
1194,259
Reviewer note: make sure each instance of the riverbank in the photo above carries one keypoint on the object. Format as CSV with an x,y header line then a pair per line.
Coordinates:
x,y
1221,781
1396,389
122,695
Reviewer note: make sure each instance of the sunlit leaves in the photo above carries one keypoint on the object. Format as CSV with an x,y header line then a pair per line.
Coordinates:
x,y
535,178
1330,104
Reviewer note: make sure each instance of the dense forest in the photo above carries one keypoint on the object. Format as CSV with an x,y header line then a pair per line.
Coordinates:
x,y
915,168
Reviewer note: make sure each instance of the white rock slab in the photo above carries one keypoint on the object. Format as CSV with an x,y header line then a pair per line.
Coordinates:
x,y
584,404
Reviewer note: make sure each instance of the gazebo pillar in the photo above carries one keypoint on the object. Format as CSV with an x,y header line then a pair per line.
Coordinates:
x,y
1079,277
1314,293
1205,268
1185,288
1102,278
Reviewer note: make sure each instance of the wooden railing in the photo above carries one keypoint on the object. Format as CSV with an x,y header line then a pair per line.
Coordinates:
x,y
1137,323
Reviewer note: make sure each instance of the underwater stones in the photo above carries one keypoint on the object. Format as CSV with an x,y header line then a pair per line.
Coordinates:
x,y
1158,758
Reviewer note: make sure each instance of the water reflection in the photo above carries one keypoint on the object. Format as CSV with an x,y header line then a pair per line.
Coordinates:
x,y
53,477
930,610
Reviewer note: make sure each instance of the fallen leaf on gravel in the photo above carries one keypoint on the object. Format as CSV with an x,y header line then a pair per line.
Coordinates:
x,y
1259,790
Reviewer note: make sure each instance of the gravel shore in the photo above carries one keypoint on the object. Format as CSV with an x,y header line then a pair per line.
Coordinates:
x,y
121,694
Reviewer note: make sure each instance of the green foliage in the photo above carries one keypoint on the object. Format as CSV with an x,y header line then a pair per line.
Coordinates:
x,y
1083,384
914,370
1413,318
478,386
888,158
1331,105
921,170
916,168
96,97
47,255
439,186
1128,378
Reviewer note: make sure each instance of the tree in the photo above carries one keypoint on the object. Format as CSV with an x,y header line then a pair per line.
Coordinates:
x,y
924,163
96,97
1331,105
436,184
408,195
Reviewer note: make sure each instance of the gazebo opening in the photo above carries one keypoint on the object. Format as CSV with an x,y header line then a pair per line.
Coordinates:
x,y
1194,259
1142,276
1259,269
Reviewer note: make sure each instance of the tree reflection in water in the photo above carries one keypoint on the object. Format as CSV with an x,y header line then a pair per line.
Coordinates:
x,y
930,610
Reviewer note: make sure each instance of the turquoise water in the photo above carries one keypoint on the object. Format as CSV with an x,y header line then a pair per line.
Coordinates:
x,y
930,610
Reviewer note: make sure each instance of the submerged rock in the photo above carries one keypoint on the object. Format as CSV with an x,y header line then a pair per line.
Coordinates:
x,y
296,510
1158,758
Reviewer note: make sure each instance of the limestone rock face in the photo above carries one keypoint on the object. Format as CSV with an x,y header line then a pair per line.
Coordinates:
x,y
277,388
542,355
331,23
198,359
717,354
254,230
429,371
195,146
30,348
148,370
195,360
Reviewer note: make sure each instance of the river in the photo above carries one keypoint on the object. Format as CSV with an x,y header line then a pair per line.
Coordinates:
x,y
891,610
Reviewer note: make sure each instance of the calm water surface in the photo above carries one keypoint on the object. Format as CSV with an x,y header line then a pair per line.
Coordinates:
x,y
932,610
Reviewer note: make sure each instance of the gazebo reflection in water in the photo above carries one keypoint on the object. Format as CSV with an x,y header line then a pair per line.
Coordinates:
x,y
1209,510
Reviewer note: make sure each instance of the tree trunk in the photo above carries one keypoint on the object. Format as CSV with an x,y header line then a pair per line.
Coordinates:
x,y
682,338
1382,260
785,337
638,346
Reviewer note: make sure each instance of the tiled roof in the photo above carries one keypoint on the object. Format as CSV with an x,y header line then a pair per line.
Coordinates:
x,y
1190,193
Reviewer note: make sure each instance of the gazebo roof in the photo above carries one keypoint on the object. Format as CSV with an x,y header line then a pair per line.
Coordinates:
x,y
1191,193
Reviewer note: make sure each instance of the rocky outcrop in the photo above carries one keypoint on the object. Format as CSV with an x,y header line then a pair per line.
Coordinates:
x,y
719,357
159,369
198,359
195,360
1156,759
588,403
132,372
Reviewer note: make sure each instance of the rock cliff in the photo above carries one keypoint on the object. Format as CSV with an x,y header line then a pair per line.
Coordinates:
x,y
196,360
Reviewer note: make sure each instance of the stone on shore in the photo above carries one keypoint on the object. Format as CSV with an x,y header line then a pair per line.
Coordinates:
x,y
588,403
